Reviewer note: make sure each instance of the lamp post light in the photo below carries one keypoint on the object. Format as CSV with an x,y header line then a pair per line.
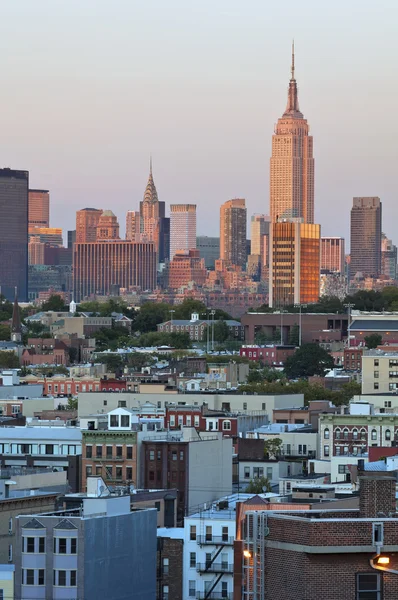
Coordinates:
x,y
349,306
300,306
213,312
171,320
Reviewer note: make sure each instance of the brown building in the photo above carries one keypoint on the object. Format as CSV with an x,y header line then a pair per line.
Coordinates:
x,y
333,254
366,220
169,573
323,552
39,208
307,415
182,228
133,226
186,267
86,224
315,327
353,358
233,215
295,263
292,163
99,266
108,227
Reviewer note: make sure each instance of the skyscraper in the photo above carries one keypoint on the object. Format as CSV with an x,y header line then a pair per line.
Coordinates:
x,y
86,224
39,208
259,227
292,163
209,248
151,213
366,219
233,232
294,268
133,226
388,257
108,226
14,186
333,254
182,228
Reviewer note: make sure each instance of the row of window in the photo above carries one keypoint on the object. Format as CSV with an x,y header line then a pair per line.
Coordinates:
x,y
37,545
173,455
108,472
40,449
344,450
61,577
209,533
356,435
99,452
258,472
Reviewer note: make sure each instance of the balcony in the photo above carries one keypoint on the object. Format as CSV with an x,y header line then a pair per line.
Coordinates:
x,y
215,540
215,567
214,595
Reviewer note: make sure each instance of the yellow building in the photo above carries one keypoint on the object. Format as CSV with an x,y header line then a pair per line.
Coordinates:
x,y
7,582
295,263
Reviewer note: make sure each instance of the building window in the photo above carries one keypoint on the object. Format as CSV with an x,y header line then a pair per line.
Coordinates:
x,y
119,451
376,362
192,560
376,385
89,470
269,473
99,451
73,546
165,592
61,545
29,544
224,534
247,472
129,452
368,586
209,533
60,578
192,533
89,451
192,588
326,434
388,435
129,473
165,566
114,421
196,420
151,454
119,472
374,434
354,434
245,406
338,434
174,455
151,475
73,579
343,469
125,421
326,451
226,425
181,454
376,374
29,577
172,420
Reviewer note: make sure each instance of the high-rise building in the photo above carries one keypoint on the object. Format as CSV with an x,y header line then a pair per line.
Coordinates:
x,y
209,248
182,228
333,254
99,266
233,216
86,225
366,219
47,235
133,226
14,187
71,237
108,226
292,163
259,227
39,208
295,264
388,258
152,213
185,267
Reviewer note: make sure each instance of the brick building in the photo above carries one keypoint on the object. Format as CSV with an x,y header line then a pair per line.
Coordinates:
x,y
169,558
201,419
185,267
197,328
353,358
272,355
321,553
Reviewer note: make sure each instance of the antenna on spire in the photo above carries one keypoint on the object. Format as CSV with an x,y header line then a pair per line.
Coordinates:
x,y
150,164
292,69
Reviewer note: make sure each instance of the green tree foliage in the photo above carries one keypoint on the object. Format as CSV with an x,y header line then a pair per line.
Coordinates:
x,y
221,331
112,338
137,360
150,315
5,332
55,302
5,309
73,354
308,360
72,403
273,448
105,309
175,340
373,340
36,329
8,360
258,485
294,335
113,362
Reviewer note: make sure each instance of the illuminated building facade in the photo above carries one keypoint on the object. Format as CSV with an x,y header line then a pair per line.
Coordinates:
x,y
39,208
333,254
295,265
366,219
186,267
182,228
133,226
108,227
233,216
86,225
100,266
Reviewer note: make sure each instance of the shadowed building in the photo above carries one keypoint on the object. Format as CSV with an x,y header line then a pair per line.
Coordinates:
x,y
86,224
14,186
366,215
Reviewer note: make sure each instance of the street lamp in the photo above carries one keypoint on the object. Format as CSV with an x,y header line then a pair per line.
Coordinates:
x,y
213,312
349,307
171,320
300,306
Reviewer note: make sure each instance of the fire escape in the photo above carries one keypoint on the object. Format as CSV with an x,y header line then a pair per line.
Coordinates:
x,y
215,566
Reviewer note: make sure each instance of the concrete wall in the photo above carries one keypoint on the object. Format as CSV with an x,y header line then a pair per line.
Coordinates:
x,y
120,557
272,470
32,405
209,471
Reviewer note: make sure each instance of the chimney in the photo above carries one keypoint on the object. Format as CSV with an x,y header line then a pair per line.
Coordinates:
x,y
376,494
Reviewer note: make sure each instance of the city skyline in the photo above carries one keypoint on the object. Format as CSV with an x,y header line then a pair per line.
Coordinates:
x,y
235,96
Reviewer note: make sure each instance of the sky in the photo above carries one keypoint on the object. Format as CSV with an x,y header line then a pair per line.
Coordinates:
x,y
89,89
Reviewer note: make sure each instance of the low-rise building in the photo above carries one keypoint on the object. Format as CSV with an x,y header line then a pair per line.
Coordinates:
x,y
298,441
306,415
380,371
198,329
100,550
273,355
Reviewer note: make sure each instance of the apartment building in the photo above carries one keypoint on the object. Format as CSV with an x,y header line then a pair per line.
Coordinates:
x,y
102,550
380,371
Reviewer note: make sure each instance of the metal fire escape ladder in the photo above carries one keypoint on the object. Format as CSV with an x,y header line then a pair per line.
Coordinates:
x,y
213,558
215,581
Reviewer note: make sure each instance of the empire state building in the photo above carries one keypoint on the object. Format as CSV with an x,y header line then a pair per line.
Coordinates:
x,y
292,163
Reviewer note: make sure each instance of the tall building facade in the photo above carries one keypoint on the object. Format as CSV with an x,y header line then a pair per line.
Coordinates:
x,y
86,225
100,266
182,228
388,258
366,220
233,215
39,208
292,162
186,267
108,227
295,265
259,229
14,190
209,249
133,226
152,219
333,254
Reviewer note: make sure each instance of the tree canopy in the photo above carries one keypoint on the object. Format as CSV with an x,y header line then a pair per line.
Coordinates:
x,y
55,302
308,360
258,485
373,340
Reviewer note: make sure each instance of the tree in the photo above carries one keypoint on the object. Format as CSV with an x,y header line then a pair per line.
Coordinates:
x,y
373,340
258,485
113,362
8,360
55,302
221,331
308,360
72,403
5,332
72,352
294,335
137,360
150,315
272,448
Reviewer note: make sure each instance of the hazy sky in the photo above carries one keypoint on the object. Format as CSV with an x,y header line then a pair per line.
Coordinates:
x,y
89,88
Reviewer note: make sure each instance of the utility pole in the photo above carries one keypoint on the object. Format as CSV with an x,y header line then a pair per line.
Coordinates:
x,y
300,306
349,307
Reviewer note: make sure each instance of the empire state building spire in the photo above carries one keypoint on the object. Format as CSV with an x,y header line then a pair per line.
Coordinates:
x,y
292,108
